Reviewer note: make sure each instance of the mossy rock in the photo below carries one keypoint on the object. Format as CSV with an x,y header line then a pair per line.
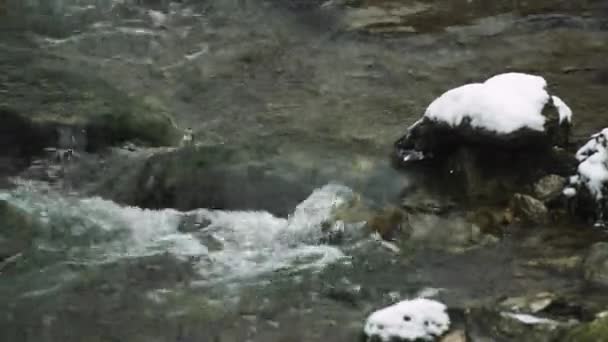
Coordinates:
x,y
216,177
595,331
46,95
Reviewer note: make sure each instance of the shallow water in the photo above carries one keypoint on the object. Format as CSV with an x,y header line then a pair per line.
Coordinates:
x,y
289,77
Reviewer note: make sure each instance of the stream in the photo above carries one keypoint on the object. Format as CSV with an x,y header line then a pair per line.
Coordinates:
x,y
265,236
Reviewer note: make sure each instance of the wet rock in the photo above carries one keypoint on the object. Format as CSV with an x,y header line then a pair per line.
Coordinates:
x,y
534,304
549,188
484,324
596,264
529,209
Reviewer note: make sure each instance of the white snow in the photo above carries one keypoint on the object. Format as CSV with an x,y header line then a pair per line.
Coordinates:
x,y
592,171
597,140
502,104
569,192
565,113
416,319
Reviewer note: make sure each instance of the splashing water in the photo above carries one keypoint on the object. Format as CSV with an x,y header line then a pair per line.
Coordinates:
x,y
230,245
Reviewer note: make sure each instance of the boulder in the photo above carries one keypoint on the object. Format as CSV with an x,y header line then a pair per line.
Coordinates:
x,y
484,149
529,209
475,114
595,265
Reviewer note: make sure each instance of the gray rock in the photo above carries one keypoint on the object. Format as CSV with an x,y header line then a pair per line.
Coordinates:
x,y
549,187
529,209
595,265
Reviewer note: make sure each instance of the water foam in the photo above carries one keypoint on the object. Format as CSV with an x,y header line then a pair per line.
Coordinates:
x,y
231,245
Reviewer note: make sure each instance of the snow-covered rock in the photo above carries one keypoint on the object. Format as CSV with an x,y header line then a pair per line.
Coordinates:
x,y
409,320
511,110
590,182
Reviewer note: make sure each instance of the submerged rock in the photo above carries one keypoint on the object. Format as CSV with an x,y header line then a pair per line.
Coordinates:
x,y
595,265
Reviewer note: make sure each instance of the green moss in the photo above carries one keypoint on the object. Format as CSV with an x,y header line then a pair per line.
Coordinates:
x,y
51,96
596,331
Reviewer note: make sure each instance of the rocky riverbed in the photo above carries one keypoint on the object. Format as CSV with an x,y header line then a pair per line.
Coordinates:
x,y
284,219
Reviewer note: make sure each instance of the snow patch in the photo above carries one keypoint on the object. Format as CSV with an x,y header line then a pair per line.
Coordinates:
x,y
565,113
569,192
594,172
503,104
416,319
598,140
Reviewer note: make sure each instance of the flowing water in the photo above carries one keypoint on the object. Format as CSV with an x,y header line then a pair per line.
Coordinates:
x,y
297,78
